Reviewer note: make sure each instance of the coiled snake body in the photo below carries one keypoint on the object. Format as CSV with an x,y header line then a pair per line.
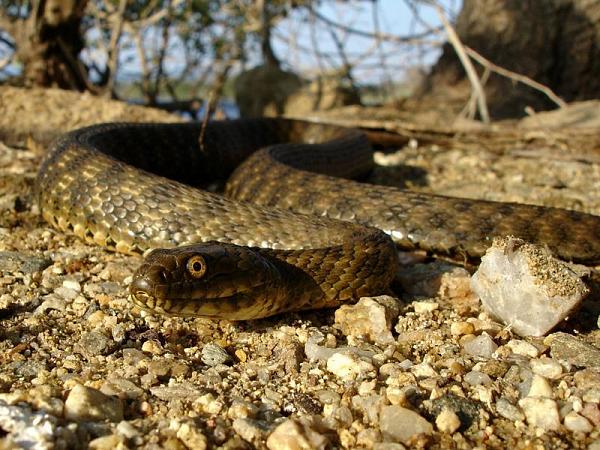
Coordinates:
x,y
128,187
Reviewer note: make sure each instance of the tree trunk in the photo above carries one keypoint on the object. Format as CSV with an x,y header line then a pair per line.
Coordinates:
x,y
49,42
554,42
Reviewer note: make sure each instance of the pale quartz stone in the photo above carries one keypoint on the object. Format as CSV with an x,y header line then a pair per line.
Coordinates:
x,y
576,422
541,412
348,367
523,348
526,288
540,387
483,346
546,367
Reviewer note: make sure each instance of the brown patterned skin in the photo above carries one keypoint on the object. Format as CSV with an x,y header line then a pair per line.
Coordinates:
x,y
128,187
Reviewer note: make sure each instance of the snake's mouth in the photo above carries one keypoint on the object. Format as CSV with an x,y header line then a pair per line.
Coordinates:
x,y
235,307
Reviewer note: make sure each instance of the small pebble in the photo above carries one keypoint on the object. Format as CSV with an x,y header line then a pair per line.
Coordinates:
x,y
540,387
127,430
110,442
248,430
569,348
447,421
348,366
575,422
152,346
482,346
85,403
523,348
591,395
423,370
213,355
546,367
190,435
508,410
475,378
370,319
400,424
425,307
541,412
72,284
461,328
296,434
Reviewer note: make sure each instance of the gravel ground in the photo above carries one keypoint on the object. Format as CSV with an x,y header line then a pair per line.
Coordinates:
x,y
81,366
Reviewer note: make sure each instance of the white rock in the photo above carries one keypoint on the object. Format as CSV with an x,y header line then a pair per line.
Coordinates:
x,y
525,287
546,367
482,346
296,434
541,412
423,370
523,348
401,424
348,367
425,307
576,422
72,284
86,403
370,319
24,428
447,421
540,387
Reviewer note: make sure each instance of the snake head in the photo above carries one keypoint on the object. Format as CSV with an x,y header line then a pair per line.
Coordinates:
x,y
211,279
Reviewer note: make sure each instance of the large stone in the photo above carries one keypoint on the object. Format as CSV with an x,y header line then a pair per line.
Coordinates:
x,y
526,288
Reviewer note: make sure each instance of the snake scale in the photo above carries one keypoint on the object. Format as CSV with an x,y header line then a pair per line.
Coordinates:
x,y
134,187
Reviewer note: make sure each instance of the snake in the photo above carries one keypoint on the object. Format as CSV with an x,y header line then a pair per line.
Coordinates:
x,y
296,228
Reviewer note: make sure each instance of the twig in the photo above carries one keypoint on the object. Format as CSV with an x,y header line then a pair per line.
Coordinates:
x,y
466,63
515,76
416,38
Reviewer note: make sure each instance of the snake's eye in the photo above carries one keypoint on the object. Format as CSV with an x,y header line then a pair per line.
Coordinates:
x,y
196,266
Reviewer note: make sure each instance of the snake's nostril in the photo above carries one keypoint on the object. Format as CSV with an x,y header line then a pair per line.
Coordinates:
x,y
140,285
162,275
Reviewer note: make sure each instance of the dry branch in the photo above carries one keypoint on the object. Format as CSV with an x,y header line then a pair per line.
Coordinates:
x,y
515,76
466,63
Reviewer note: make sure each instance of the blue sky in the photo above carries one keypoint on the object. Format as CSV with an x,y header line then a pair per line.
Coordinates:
x,y
395,18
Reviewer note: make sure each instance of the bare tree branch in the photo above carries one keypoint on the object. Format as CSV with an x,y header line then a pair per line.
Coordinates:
x,y
515,76
466,63
381,36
